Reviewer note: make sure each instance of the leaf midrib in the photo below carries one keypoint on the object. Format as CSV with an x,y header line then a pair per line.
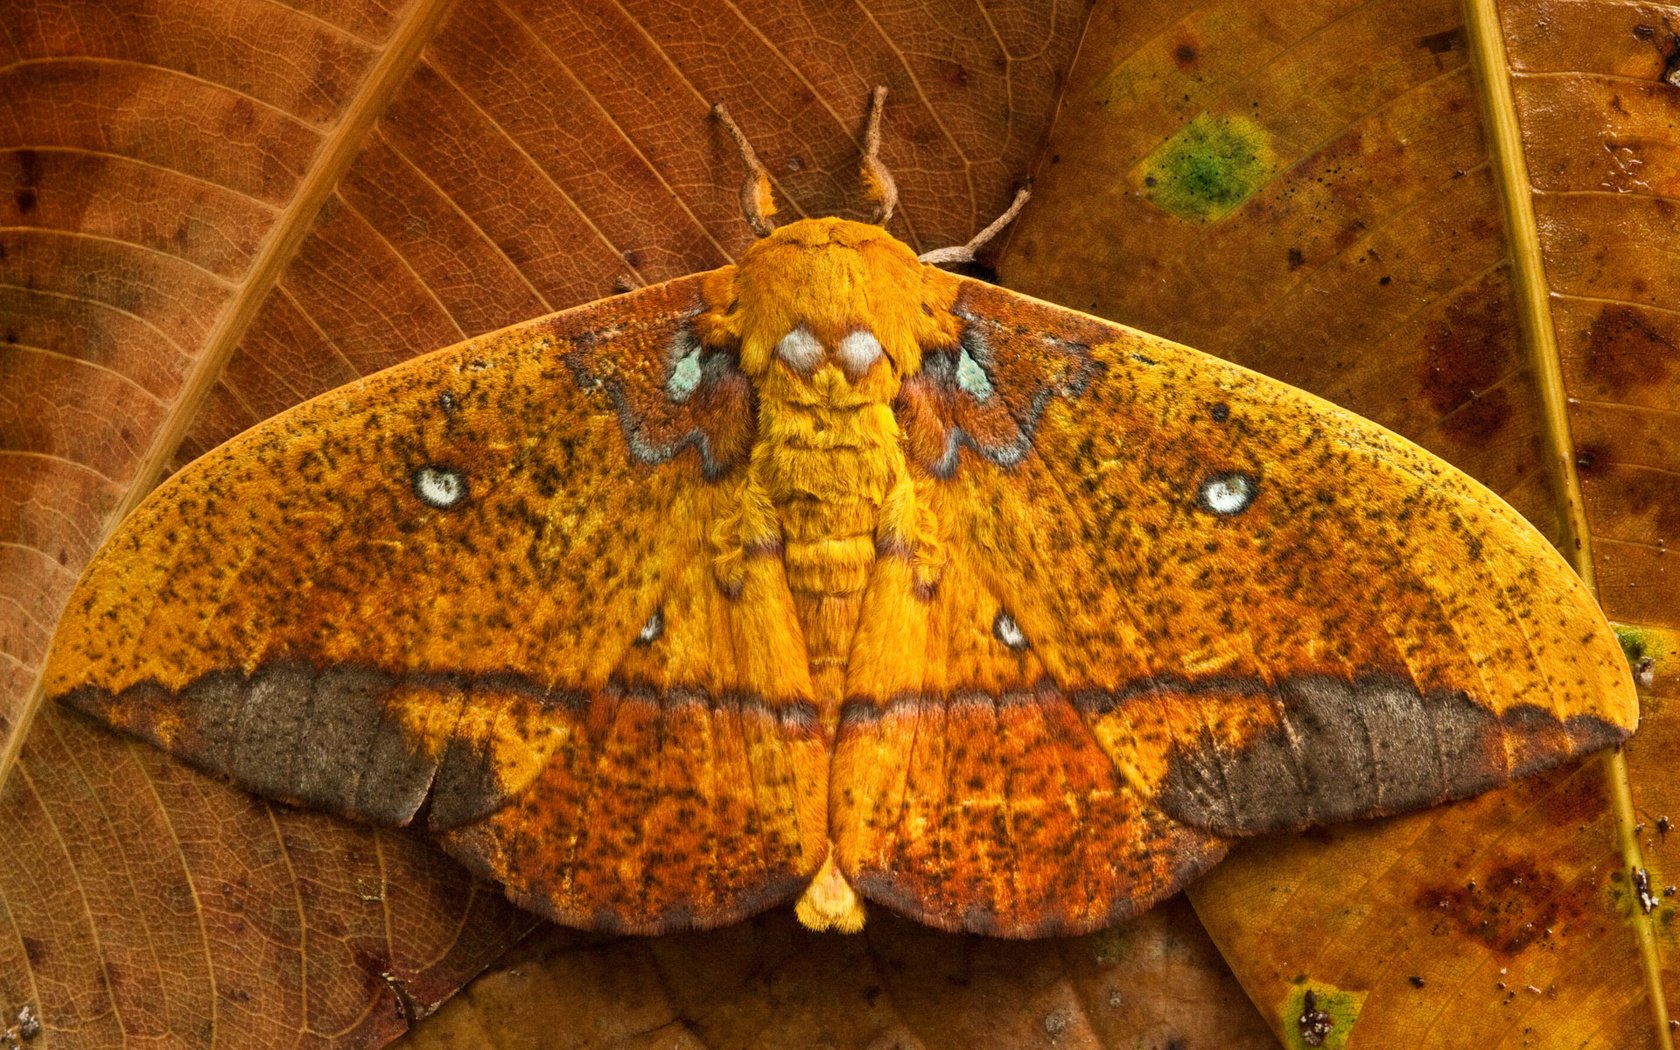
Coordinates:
x,y
339,148
1538,333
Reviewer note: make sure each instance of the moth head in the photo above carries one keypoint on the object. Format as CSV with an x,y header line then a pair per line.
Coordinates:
x,y
843,306
830,295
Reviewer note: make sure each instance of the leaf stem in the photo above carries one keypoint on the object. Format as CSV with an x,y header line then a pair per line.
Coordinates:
x,y
1539,335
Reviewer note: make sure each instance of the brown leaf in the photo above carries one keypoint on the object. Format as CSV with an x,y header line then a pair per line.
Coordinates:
x,y
1155,982
1421,217
209,220
147,902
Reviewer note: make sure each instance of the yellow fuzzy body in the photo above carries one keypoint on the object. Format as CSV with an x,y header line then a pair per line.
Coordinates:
x,y
827,469
828,485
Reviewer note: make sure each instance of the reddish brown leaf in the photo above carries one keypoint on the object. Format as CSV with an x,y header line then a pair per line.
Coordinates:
x,y
1395,234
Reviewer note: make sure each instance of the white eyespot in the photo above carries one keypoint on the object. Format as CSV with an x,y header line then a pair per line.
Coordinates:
x,y
857,351
800,349
971,377
685,377
1007,631
1229,493
652,629
440,487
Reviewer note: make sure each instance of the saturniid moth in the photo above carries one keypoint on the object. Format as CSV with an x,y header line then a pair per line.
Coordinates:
x,y
829,576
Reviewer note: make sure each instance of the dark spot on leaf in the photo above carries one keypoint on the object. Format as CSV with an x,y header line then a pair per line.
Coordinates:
x,y
1465,354
1415,981
1184,55
1512,908
1296,259
952,73
1626,348
1442,42
1650,492
1577,801
29,176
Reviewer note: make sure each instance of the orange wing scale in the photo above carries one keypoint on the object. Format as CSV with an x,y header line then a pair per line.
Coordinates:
x,y
1206,605
428,596
831,573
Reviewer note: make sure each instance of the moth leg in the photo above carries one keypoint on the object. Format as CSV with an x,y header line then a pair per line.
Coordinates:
x,y
878,184
965,253
751,529
909,526
757,202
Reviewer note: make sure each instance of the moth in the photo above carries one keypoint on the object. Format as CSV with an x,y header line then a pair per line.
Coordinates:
x,y
832,576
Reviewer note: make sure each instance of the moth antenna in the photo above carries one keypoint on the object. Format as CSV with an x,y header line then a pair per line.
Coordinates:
x,y
878,182
757,202
965,253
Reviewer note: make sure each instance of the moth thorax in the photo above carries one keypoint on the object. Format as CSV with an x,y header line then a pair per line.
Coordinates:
x,y
827,471
826,453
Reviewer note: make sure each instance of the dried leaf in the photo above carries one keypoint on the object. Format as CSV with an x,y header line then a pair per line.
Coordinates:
x,y
1340,196
1156,982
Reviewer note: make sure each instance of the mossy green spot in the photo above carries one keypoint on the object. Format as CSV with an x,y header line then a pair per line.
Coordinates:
x,y
1341,1007
1634,644
1210,167
1649,652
